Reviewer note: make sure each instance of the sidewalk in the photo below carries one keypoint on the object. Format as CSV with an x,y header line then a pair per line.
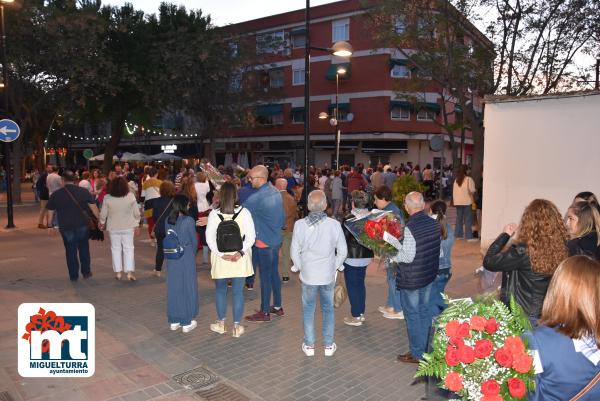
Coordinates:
x,y
139,358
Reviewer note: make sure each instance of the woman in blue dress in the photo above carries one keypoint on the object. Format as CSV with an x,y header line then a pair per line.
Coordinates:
x,y
182,283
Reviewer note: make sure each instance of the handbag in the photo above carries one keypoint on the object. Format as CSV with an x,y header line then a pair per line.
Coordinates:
x,y
587,388
339,293
95,233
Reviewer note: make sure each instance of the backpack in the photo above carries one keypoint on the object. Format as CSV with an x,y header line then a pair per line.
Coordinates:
x,y
172,248
229,236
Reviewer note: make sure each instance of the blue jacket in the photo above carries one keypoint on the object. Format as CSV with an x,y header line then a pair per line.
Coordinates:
x,y
446,253
244,192
566,371
424,267
266,207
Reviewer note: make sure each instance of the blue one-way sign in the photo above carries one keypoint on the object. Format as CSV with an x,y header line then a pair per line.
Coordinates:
x,y
9,130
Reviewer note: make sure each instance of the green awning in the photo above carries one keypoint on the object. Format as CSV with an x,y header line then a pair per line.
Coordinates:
x,y
429,106
295,110
298,31
332,70
401,104
398,61
267,110
342,107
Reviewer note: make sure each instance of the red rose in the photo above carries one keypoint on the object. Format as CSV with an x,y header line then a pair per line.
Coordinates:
x,y
494,397
491,326
517,388
451,328
503,357
453,381
457,342
452,356
478,323
467,354
515,345
483,348
464,330
522,363
490,387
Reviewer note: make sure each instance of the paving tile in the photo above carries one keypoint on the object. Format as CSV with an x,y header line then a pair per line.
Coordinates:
x,y
146,376
127,362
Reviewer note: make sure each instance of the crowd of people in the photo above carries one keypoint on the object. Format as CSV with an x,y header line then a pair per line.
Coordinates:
x,y
245,224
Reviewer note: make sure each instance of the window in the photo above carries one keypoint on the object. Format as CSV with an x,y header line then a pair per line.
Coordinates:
x,y
344,109
400,113
426,115
400,71
400,25
273,119
271,114
276,79
340,30
233,47
298,77
270,43
298,41
235,84
297,115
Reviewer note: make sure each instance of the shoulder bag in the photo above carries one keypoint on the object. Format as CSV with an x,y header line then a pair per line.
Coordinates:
x,y
587,388
95,233
159,217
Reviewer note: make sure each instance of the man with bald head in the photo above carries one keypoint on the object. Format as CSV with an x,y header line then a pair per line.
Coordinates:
x,y
416,269
266,207
291,213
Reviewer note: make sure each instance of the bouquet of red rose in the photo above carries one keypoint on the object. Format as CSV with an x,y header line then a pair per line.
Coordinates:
x,y
479,354
377,230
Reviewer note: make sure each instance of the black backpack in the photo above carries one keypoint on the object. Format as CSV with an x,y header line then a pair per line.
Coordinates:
x,y
229,237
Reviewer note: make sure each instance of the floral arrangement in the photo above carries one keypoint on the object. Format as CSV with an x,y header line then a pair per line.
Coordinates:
x,y
370,231
478,352
213,174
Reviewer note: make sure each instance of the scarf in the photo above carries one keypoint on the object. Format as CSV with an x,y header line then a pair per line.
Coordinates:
x,y
315,217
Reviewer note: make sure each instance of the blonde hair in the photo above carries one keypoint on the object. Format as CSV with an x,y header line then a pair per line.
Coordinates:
x,y
543,231
588,219
572,303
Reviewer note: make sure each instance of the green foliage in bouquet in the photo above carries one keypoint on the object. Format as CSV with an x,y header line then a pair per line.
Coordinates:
x,y
478,352
403,186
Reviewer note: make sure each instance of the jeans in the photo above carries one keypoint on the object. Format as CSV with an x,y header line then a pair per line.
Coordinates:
x,y
336,207
354,276
76,242
393,298
237,286
309,303
160,255
121,246
285,254
270,282
464,216
437,304
418,318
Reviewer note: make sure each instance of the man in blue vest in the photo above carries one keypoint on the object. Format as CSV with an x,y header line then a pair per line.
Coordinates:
x,y
418,263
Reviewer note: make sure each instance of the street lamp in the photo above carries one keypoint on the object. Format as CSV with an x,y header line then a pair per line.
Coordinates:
x,y
335,118
7,145
342,49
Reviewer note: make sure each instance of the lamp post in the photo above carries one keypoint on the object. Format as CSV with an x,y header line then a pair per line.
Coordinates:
x,y
9,196
335,118
598,72
342,49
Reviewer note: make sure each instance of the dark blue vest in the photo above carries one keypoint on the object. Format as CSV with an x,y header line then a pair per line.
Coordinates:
x,y
424,268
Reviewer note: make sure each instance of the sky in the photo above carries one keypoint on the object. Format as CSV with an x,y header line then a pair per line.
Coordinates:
x,y
225,12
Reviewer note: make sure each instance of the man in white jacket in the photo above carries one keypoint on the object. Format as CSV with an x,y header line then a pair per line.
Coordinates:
x,y
318,250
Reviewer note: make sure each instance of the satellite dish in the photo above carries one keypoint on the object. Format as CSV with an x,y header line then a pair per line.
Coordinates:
x,y
436,143
349,117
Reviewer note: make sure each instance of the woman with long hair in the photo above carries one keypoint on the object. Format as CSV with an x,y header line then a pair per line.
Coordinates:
x,y
438,212
120,215
230,266
463,191
566,344
182,284
205,193
539,246
583,224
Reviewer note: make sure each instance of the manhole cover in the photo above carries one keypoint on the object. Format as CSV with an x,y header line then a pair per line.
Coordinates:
x,y
4,396
221,392
196,378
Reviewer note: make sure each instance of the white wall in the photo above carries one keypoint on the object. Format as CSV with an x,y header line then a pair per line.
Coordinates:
x,y
538,148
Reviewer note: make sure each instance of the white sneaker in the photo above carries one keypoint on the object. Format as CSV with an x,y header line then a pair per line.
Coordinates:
x,y
309,350
329,351
174,326
189,327
399,315
385,309
362,317
218,327
353,321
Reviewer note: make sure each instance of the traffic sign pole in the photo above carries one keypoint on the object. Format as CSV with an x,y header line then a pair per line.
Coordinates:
x,y
9,195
